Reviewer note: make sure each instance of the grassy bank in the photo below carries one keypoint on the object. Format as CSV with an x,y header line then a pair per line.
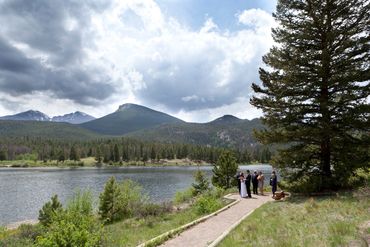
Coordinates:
x,y
301,221
133,232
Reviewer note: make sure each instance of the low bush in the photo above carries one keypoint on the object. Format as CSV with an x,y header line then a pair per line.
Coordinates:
x,y
14,241
121,200
314,183
48,210
74,226
152,209
27,231
183,196
206,204
360,178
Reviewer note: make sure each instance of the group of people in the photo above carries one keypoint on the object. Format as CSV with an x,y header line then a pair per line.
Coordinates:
x,y
257,180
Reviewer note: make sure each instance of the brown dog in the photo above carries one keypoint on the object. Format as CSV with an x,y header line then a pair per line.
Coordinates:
x,y
279,195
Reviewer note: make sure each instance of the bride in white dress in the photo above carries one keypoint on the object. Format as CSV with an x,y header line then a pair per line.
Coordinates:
x,y
243,188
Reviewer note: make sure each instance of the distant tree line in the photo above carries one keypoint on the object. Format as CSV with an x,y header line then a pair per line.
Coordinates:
x,y
119,150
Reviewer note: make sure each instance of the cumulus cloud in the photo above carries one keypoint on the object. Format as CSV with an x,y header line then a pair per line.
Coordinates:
x,y
100,52
182,68
256,18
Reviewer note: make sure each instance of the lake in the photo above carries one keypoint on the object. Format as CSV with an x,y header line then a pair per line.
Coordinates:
x,y
25,190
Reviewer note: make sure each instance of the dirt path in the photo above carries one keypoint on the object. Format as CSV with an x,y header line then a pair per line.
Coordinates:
x,y
208,231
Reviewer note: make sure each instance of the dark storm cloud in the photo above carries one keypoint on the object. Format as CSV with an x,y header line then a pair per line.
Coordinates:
x,y
54,34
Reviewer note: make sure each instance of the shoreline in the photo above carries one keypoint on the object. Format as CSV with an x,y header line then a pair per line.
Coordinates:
x,y
128,165
15,225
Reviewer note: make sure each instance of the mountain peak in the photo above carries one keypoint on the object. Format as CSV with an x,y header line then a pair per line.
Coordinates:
x,y
31,115
127,106
128,118
226,119
76,117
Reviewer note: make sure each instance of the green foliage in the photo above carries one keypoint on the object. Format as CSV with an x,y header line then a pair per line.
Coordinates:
x,y
74,153
50,130
224,171
27,156
120,200
26,231
313,183
116,153
314,95
361,177
153,209
109,201
201,184
48,211
240,135
132,197
81,203
206,204
184,196
75,226
3,155
24,236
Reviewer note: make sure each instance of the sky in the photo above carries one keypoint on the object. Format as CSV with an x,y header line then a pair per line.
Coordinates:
x,y
192,59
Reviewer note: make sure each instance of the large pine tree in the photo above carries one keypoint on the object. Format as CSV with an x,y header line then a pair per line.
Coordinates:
x,y
315,91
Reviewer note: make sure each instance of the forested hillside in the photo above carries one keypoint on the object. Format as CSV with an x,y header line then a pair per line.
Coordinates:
x,y
52,130
219,133
117,150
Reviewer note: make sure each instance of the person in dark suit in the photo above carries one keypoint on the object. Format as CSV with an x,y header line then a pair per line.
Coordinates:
x,y
255,182
273,183
248,179
238,179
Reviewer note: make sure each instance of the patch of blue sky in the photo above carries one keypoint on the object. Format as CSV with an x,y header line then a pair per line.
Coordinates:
x,y
194,13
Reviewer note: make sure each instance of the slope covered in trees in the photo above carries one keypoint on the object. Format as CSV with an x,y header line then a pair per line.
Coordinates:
x,y
63,131
117,150
233,134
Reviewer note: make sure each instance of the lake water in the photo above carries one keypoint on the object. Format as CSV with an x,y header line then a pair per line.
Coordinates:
x,y
23,191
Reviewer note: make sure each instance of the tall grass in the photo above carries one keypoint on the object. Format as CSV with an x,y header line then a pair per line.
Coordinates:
x,y
325,221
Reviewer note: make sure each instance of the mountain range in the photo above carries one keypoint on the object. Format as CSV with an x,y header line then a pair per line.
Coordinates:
x,y
137,122
31,115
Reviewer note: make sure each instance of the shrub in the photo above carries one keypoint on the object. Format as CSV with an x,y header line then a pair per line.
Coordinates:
x,y
131,197
75,226
360,178
81,203
201,184
152,209
49,209
206,204
120,200
183,196
217,192
304,185
27,231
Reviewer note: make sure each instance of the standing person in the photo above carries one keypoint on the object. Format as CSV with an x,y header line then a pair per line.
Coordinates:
x,y
261,180
255,182
238,179
273,183
243,188
248,179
